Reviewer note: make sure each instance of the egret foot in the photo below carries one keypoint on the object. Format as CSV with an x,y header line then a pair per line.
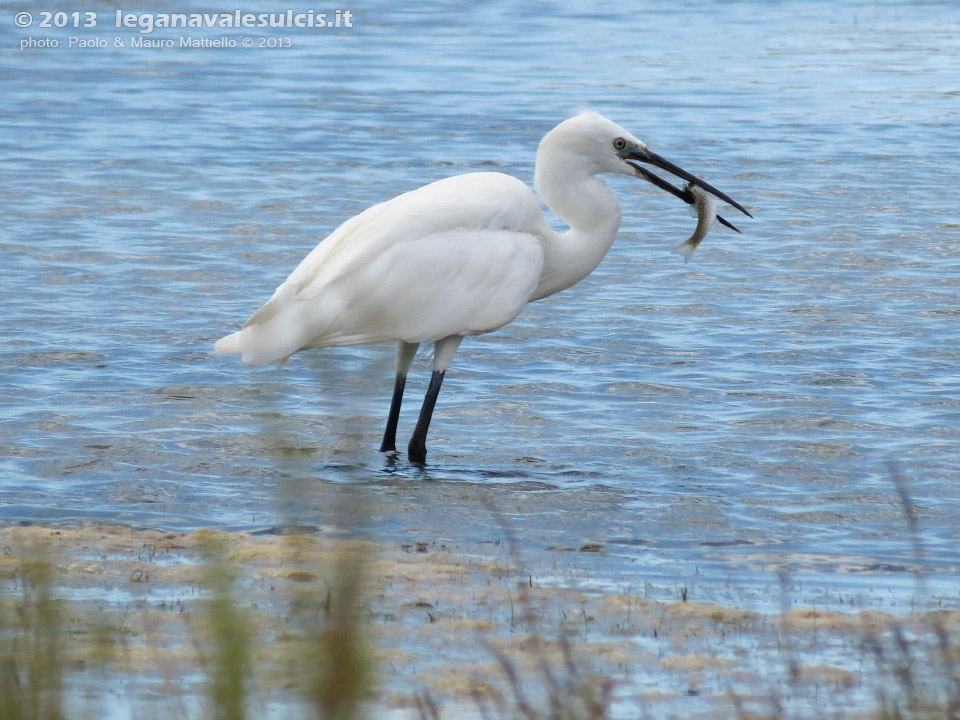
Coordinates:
x,y
417,451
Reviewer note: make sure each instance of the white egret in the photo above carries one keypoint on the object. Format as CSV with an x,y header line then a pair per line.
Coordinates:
x,y
460,256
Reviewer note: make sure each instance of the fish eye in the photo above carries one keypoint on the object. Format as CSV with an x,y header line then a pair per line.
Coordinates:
x,y
619,144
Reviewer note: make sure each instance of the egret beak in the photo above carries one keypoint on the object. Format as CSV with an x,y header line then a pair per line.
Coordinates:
x,y
645,155
684,194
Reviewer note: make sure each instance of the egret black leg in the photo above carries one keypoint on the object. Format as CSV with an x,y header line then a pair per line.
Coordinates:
x,y
389,443
405,353
417,449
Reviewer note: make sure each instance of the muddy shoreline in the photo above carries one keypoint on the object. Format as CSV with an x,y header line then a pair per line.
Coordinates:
x,y
441,622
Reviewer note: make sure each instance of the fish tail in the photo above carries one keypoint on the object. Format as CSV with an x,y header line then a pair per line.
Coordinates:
x,y
685,250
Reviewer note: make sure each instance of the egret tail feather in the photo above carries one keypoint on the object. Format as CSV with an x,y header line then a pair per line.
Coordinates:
x,y
229,345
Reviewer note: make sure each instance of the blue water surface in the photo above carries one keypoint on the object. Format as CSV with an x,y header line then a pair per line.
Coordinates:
x,y
747,411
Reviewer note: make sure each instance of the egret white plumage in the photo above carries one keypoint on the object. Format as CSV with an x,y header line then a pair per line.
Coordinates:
x,y
460,256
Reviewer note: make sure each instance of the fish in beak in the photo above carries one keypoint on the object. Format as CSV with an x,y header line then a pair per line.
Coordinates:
x,y
638,154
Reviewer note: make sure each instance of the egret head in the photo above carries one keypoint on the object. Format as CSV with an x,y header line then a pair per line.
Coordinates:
x,y
590,143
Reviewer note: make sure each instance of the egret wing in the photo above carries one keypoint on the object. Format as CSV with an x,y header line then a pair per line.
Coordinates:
x,y
458,256
459,282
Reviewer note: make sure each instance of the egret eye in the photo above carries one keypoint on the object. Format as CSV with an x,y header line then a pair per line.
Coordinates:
x,y
619,144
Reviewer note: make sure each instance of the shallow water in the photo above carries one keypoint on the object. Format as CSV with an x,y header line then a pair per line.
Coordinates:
x,y
700,422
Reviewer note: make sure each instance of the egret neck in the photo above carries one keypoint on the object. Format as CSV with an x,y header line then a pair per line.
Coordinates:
x,y
590,208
